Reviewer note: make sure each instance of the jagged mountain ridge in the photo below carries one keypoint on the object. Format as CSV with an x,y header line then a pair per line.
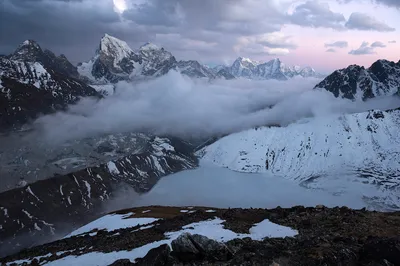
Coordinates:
x,y
273,69
358,83
363,147
35,81
115,61
41,210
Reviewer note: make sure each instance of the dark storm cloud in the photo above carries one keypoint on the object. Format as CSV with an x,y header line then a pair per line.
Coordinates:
x,y
71,27
214,28
317,15
75,27
390,3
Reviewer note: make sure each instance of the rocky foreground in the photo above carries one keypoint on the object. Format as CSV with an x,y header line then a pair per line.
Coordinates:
x,y
202,236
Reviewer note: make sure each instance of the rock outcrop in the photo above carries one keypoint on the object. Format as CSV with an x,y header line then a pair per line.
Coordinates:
x,y
359,83
338,236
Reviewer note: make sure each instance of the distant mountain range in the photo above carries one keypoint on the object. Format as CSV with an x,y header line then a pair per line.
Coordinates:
x,y
115,61
34,81
274,69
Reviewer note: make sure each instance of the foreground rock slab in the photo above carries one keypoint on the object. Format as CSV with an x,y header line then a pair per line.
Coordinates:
x,y
325,236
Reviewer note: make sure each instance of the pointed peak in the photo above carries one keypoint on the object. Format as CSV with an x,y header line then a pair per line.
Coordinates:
x,y
149,46
110,39
29,43
247,60
28,50
110,45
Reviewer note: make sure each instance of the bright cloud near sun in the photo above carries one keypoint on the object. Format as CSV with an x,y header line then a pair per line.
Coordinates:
x,y
120,6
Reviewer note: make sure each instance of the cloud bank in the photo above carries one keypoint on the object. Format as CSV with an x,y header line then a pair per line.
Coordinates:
x,y
176,105
361,21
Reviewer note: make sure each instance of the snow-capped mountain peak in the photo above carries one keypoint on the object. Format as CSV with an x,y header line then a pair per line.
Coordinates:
x,y
308,72
30,43
116,48
149,46
29,50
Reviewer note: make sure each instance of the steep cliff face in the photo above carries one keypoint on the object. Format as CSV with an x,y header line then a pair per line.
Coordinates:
x,y
34,82
357,83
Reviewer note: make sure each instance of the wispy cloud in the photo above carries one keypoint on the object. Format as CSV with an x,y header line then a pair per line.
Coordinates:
x,y
337,44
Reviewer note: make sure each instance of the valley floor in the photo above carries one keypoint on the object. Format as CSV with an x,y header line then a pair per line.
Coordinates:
x,y
293,236
211,185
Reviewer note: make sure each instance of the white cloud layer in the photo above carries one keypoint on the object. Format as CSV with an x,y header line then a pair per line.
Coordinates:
x,y
177,105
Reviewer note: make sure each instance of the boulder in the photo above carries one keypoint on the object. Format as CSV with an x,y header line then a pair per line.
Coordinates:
x,y
211,249
157,257
184,249
188,247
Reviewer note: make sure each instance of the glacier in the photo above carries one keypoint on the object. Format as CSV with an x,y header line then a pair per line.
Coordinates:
x,y
364,146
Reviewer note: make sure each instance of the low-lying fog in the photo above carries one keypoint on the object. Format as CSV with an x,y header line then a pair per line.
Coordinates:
x,y
177,105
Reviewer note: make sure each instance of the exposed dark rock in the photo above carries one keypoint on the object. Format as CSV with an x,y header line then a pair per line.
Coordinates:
x,y
34,82
381,251
225,74
211,249
381,79
123,262
184,249
157,257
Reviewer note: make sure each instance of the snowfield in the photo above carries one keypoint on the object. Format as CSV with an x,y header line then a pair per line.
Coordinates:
x,y
364,147
112,222
213,229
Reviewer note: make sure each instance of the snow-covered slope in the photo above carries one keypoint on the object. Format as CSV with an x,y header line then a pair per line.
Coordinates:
x,y
356,82
194,69
244,67
365,146
156,61
114,61
34,81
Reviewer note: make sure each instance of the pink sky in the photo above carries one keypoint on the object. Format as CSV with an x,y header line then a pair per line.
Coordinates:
x,y
311,42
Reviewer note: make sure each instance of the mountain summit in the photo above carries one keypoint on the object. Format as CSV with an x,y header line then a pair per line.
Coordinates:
x,y
355,82
35,81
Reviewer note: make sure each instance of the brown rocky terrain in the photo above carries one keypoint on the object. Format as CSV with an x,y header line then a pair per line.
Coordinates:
x,y
326,236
